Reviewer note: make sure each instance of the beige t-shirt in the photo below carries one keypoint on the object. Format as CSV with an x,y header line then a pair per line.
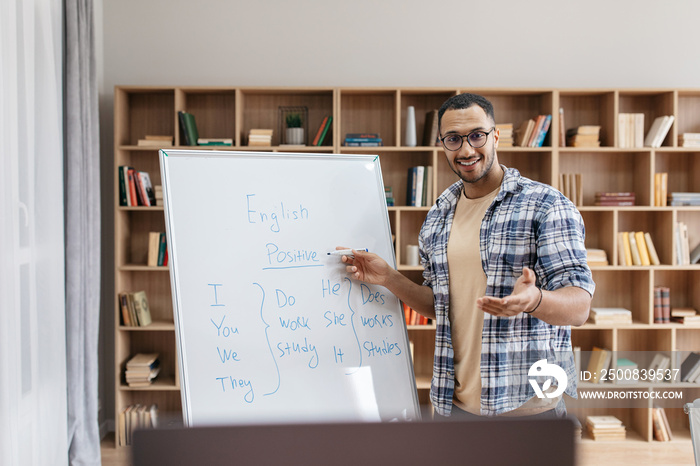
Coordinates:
x,y
467,284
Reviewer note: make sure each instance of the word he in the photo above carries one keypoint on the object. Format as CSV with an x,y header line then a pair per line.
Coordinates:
x,y
295,257
384,349
273,217
236,384
286,348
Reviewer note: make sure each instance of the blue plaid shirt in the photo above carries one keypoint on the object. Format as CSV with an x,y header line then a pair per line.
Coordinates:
x,y
529,224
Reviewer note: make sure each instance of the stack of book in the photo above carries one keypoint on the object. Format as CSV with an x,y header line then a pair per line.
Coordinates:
x,y
413,317
636,248
658,131
622,198
690,368
630,130
533,131
260,137
188,128
155,140
135,311
610,315
605,428
689,140
583,136
506,135
662,305
157,249
660,188
685,315
571,186
134,417
215,141
419,186
135,188
662,429
142,369
684,199
596,257
363,140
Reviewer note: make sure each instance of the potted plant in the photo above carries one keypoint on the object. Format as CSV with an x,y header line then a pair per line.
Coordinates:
x,y
295,128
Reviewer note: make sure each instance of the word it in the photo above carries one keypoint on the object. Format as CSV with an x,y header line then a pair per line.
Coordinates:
x,y
295,257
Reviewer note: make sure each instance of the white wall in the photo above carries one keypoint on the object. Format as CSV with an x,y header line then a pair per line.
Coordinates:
x,y
450,43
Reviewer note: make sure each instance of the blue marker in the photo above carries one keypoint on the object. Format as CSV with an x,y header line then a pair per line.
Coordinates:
x,y
345,252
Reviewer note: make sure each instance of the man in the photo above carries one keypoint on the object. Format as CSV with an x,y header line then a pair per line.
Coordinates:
x,y
505,275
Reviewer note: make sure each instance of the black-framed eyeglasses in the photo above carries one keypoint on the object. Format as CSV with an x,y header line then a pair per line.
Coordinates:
x,y
476,139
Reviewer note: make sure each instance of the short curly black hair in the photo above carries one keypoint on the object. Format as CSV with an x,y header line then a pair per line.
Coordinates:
x,y
466,100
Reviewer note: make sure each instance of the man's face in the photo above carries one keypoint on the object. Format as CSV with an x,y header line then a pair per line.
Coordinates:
x,y
470,164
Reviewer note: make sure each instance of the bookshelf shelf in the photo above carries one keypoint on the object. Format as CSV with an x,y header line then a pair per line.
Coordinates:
x,y
231,112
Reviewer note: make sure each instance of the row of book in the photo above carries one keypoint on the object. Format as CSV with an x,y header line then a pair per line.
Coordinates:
x,y
188,128
658,131
571,186
636,248
142,369
419,186
661,428
136,416
323,131
135,187
630,130
363,140
135,311
683,255
157,249
620,198
532,132
660,188
662,305
413,317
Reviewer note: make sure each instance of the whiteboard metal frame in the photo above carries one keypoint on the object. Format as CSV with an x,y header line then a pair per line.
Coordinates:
x,y
164,157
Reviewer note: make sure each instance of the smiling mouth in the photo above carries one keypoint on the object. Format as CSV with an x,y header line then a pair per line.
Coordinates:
x,y
468,163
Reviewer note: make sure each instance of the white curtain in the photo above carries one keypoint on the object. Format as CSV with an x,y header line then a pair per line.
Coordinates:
x,y
32,278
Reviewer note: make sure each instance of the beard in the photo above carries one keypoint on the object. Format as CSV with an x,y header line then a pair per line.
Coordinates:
x,y
488,158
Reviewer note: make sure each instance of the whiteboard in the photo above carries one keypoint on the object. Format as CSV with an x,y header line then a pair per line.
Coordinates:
x,y
269,327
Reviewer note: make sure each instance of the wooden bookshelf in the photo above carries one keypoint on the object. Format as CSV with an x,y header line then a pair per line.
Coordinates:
x,y
232,111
